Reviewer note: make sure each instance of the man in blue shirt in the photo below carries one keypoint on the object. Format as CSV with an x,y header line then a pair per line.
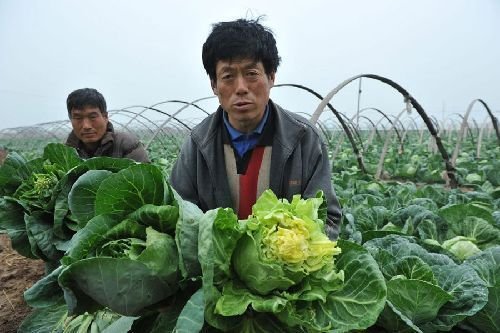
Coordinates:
x,y
250,144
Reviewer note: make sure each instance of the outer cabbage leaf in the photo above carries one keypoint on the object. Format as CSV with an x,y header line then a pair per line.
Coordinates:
x,y
436,193
454,214
12,221
41,236
427,203
215,247
393,320
390,230
409,267
355,306
392,248
184,313
410,217
470,295
46,291
63,156
162,218
44,320
487,265
263,323
186,237
191,317
86,240
63,188
81,198
13,172
371,218
143,260
479,230
123,285
418,302
129,189
55,319
468,290
367,199
492,173
496,217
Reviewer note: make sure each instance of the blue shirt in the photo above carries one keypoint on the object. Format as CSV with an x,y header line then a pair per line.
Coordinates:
x,y
243,142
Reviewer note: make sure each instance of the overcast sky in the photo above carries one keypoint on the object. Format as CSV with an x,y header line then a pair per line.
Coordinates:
x,y
446,53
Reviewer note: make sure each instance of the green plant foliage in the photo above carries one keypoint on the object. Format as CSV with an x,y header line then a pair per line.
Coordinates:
x,y
128,253
418,300
487,266
272,285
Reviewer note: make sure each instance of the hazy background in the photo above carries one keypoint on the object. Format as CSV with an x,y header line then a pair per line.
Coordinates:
x,y
444,52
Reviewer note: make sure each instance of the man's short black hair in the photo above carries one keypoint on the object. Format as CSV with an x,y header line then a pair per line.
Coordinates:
x,y
84,97
240,39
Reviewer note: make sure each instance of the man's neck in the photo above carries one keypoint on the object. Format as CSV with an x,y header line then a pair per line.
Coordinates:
x,y
246,127
91,148
249,126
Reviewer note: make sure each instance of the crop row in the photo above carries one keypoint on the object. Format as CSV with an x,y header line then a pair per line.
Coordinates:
x,y
124,252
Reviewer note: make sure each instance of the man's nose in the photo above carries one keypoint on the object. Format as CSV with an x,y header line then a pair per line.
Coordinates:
x,y
241,85
86,123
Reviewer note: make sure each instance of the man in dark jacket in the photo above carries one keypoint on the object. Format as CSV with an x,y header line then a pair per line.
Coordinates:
x,y
250,143
93,134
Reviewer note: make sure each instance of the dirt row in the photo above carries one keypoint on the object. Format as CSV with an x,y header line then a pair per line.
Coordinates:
x,y
17,274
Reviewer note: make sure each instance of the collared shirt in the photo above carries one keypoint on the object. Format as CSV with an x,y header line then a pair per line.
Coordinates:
x,y
243,142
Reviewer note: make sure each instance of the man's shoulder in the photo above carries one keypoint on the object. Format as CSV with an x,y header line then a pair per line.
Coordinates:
x,y
206,122
293,118
206,127
125,140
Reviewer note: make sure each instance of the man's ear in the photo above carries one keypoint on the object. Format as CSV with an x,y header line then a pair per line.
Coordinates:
x,y
214,87
105,114
272,76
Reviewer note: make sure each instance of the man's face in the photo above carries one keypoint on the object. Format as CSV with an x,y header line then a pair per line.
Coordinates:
x,y
89,124
243,89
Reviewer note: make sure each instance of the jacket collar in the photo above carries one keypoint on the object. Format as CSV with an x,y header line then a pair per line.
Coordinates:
x,y
289,131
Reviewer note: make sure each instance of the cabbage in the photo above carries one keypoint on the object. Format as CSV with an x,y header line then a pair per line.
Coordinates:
x,y
284,243
408,170
138,248
277,270
461,246
473,178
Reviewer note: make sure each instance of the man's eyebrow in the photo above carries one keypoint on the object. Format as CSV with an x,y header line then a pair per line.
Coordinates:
x,y
252,65
226,68
230,66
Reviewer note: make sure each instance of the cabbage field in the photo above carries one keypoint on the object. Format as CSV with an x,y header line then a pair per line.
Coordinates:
x,y
418,251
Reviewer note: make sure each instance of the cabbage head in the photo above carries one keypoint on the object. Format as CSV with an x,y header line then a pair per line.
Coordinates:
x,y
277,271
138,248
462,247
284,242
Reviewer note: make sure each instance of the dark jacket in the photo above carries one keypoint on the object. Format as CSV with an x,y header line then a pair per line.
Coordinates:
x,y
113,144
299,164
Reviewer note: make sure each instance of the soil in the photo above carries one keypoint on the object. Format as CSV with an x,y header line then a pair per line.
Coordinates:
x,y
3,155
17,274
